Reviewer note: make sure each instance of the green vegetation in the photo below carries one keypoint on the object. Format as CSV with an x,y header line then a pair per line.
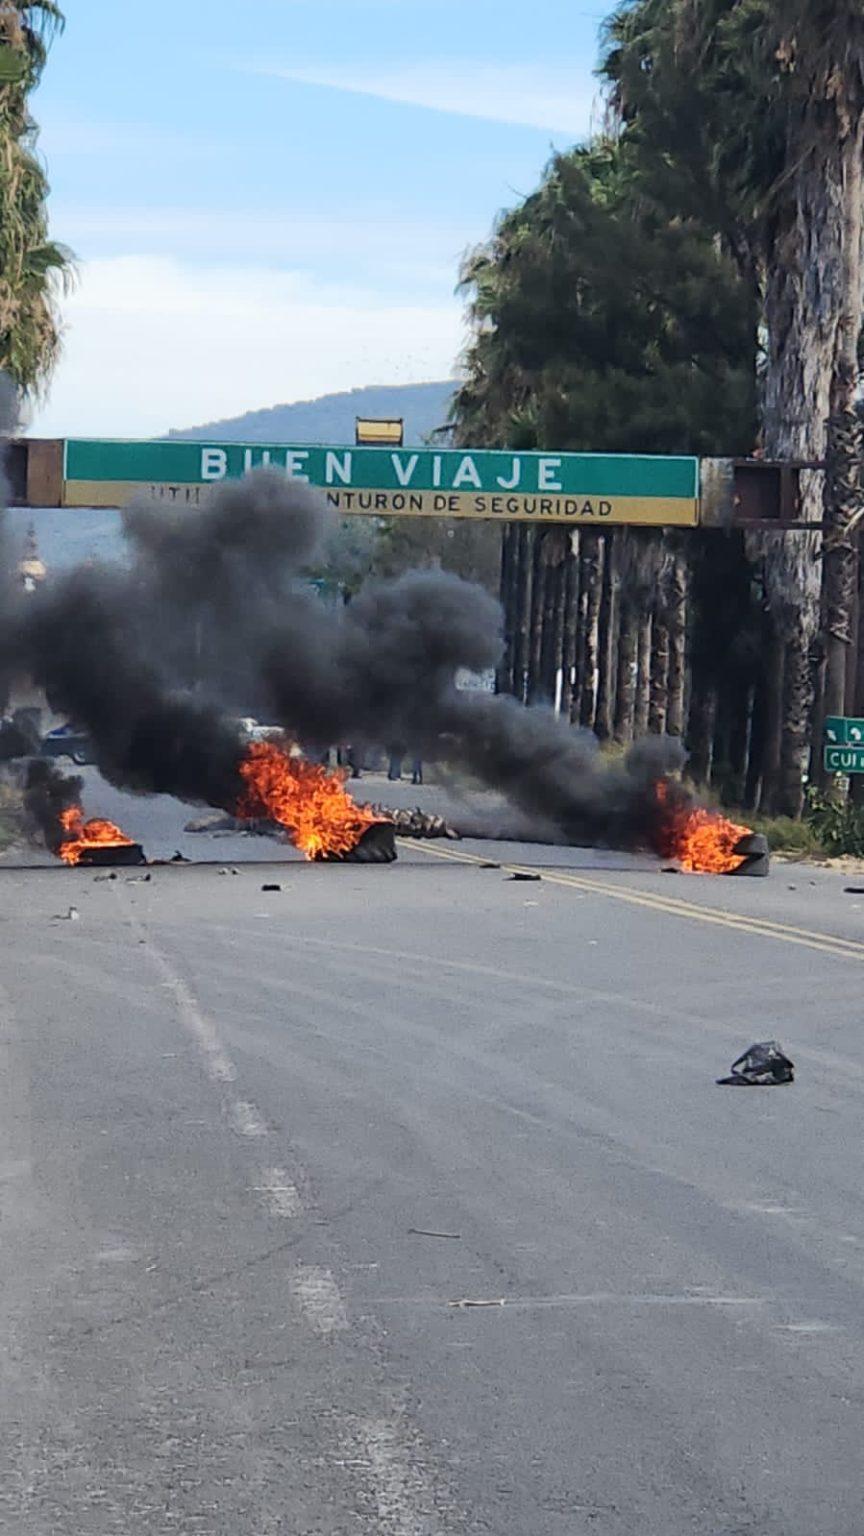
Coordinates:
x,y
11,815
691,281
837,822
31,265
796,839
605,323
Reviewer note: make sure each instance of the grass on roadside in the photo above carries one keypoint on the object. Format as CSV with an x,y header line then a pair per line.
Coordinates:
x,y
798,839
11,815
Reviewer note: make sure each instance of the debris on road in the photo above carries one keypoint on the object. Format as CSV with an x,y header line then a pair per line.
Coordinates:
x,y
230,871
521,875
422,1232
271,887
853,890
669,869
136,879
417,823
489,865
72,916
179,858
97,878
466,1302
763,1066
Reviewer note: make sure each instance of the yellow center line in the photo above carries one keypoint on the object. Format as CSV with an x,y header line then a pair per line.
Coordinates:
x,y
766,928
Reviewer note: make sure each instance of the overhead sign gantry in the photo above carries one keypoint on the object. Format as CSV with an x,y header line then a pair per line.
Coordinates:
x,y
573,488
570,489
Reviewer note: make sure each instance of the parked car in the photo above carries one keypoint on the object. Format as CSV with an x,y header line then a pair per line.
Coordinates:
x,y
68,741
253,730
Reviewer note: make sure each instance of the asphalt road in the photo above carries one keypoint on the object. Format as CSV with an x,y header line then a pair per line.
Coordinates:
x,y
228,1118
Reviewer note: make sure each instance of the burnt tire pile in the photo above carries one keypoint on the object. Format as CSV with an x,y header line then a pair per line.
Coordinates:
x,y
416,823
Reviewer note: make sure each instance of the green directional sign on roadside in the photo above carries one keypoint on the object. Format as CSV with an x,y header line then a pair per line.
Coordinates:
x,y
843,731
844,759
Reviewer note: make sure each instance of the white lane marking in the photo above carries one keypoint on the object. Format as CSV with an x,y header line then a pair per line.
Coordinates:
x,y
246,1120
408,1502
807,1328
584,1299
318,1297
282,1197
220,1068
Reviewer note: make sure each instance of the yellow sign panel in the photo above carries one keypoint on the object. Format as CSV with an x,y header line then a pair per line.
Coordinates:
x,y
647,511
380,434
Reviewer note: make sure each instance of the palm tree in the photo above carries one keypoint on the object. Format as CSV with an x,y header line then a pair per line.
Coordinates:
x,y
754,109
31,265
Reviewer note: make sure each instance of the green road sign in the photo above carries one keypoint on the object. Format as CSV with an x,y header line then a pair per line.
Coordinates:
x,y
843,731
582,489
844,759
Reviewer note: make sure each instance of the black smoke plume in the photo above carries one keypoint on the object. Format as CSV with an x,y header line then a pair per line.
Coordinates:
x,y
213,613
47,794
18,737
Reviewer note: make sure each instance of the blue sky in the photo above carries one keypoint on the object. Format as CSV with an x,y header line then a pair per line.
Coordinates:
x,y
270,201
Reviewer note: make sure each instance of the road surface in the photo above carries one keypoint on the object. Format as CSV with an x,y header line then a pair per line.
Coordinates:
x,y
230,1121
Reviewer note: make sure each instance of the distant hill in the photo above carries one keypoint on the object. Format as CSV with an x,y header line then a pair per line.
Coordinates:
x,y
68,537
331,418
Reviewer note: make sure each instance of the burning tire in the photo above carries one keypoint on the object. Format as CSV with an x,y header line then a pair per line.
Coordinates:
x,y
377,845
755,854
111,855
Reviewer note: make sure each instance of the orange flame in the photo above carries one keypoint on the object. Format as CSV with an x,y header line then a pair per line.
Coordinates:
x,y
309,801
87,834
701,841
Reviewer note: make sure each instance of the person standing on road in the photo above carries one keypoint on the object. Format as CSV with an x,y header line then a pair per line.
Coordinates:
x,y
417,771
394,771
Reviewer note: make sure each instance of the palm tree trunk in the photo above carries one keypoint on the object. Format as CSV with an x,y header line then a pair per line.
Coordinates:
x,y
643,675
753,783
508,592
559,617
659,670
628,652
548,663
524,586
804,299
789,799
843,458
591,584
571,628
677,620
538,602
607,643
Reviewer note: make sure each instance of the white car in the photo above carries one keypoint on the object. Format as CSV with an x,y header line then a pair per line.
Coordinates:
x,y
253,730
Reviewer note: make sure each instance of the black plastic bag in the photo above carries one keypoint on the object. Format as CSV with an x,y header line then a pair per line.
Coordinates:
x,y
763,1066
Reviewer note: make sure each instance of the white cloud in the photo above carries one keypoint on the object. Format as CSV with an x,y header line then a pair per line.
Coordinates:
x,y
153,343
419,251
557,98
